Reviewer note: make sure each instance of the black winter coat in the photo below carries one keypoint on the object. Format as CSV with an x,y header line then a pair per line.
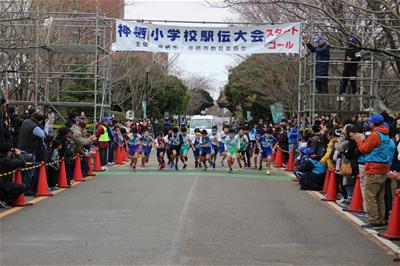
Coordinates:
x,y
9,164
350,69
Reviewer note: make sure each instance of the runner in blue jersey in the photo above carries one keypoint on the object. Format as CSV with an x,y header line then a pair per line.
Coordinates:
x,y
134,147
176,143
147,141
266,145
196,147
205,148
215,141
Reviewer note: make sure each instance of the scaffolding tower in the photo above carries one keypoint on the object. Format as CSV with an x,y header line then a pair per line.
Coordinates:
x,y
56,59
370,79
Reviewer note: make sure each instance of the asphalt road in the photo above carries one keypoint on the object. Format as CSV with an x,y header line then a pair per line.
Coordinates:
x,y
185,217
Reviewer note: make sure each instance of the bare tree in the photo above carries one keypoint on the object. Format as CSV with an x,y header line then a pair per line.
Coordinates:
x,y
200,88
375,24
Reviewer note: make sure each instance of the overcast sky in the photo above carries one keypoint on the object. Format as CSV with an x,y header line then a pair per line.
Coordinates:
x,y
213,66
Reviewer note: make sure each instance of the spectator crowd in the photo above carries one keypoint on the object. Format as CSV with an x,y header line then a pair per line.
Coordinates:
x,y
361,147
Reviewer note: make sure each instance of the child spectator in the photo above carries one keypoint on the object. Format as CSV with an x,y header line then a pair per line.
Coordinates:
x,y
53,158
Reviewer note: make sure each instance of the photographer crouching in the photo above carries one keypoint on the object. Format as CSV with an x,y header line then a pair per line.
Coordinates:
x,y
10,160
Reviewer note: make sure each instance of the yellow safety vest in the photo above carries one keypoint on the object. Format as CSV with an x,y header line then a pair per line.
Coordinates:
x,y
104,137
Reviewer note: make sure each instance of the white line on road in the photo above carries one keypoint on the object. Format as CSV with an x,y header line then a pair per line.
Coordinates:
x,y
385,243
176,243
189,198
371,232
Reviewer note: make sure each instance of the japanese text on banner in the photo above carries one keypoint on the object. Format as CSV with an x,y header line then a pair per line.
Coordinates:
x,y
268,38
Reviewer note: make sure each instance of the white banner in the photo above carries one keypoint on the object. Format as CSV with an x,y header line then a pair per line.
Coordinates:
x,y
269,38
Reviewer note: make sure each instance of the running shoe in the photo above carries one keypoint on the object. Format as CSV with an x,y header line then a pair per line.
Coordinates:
x,y
5,205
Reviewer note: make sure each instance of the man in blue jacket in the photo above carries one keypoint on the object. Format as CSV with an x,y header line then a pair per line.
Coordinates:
x,y
322,51
313,172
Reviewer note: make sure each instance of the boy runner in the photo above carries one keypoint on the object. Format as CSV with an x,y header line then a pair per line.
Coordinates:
x,y
222,149
176,143
205,148
168,147
232,145
266,143
196,146
243,143
161,147
215,141
184,147
147,140
257,137
134,147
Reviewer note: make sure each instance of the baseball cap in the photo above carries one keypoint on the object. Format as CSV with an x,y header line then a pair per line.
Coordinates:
x,y
353,40
320,38
306,150
377,119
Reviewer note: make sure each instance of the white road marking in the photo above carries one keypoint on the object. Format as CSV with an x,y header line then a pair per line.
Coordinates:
x,y
174,248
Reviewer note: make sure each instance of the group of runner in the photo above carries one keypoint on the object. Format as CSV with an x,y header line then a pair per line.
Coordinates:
x,y
229,145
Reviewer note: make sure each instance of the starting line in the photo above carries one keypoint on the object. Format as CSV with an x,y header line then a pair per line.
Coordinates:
x,y
153,171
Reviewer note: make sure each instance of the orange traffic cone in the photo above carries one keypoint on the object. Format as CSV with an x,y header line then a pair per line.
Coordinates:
x,y
290,164
43,186
78,170
326,182
393,230
279,159
331,194
62,175
118,155
90,166
356,204
97,162
20,201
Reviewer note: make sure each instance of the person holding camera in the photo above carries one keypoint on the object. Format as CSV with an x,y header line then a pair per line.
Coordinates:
x,y
10,160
